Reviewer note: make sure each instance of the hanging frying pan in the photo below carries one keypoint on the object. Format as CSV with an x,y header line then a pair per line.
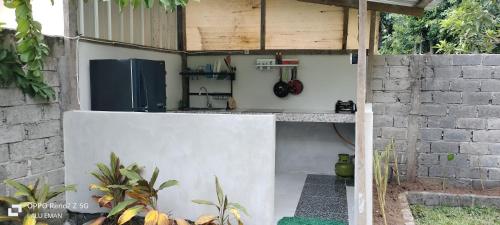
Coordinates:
x,y
281,88
295,86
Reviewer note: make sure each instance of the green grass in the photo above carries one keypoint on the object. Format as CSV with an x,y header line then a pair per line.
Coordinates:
x,y
455,215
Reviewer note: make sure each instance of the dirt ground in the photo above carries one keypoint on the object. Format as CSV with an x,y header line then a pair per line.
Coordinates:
x,y
393,209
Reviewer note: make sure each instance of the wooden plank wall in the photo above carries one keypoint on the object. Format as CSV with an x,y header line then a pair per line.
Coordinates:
x,y
290,24
149,27
223,24
300,25
352,35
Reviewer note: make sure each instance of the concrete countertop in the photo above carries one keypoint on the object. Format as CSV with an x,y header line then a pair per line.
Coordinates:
x,y
285,115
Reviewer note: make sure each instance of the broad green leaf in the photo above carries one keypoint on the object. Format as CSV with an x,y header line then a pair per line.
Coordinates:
x,y
42,196
136,3
203,202
154,177
115,164
220,192
61,190
451,157
21,188
121,206
149,3
167,184
105,171
131,174
129,214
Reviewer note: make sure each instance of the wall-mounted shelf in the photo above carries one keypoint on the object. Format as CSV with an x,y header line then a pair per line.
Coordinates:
x,y
212,94
213,75
227,76
278,65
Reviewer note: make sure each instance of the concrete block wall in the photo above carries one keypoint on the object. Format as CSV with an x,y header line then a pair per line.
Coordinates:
x,y
31,144
454,101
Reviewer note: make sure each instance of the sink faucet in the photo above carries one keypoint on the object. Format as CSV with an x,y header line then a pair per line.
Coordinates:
x,y
209,105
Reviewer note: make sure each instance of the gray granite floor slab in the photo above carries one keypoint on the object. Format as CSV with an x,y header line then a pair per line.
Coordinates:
x,y
324,197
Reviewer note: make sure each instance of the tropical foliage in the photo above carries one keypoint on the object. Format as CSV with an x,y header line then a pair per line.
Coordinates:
x,y
222,206
26,68
453,26
111,179
117,181
29,198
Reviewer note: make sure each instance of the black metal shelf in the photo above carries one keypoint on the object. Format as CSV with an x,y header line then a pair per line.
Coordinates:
x,y
212,94
212,75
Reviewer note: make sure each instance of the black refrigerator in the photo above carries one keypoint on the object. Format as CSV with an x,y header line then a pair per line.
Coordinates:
x,y
136,85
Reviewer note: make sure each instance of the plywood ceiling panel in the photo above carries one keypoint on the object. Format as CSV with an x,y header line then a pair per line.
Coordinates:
x,y
292,24
223,25
352,35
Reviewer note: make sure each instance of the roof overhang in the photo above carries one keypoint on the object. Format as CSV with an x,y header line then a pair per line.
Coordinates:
x,y
406,7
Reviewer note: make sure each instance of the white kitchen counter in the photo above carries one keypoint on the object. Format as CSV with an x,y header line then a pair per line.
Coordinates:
x,y
286,115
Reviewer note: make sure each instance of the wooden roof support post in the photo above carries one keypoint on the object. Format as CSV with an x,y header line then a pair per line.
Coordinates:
x,y
363,165
182,46
371,55
68,67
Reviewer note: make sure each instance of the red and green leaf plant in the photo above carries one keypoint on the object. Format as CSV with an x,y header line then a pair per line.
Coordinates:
x,y
224,209
110,182
31,199
143,197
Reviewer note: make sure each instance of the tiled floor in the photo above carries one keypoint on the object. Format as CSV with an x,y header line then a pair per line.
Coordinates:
x,y
317,196
323,197
288,189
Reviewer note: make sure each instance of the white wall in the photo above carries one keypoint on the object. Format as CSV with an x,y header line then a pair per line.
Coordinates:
x,y
326,78
88,51
50,16
310,148
239,149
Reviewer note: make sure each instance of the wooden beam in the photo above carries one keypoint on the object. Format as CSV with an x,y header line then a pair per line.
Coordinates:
x,y
81,29
96,19
382,7
423,3
273,51
345,30
181,46
128,45
362,185
262,24
371,55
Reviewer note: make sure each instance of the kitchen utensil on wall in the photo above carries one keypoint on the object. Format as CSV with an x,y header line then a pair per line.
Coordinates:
x,y
295,86
281,88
